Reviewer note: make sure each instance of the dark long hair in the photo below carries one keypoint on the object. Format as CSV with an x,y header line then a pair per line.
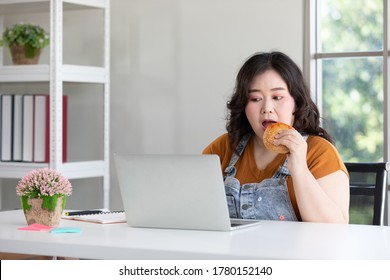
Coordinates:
x,y
307,117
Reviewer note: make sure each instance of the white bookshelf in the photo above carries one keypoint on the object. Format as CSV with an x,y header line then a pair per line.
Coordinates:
x,y
56,74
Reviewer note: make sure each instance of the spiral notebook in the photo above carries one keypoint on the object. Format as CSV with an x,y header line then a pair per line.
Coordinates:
x,y
105,217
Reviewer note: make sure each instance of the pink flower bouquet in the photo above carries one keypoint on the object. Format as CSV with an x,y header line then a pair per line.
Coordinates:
x,y
46,184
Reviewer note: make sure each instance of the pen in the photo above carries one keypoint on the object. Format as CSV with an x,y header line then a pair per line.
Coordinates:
x,y
83,212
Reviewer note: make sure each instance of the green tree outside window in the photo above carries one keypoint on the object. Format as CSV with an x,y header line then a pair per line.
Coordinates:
x,y
352,88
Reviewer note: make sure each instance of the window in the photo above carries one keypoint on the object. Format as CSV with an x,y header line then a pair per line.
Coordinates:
x,y
349,74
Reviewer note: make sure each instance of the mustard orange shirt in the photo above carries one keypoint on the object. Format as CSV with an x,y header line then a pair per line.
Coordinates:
x,y
322,159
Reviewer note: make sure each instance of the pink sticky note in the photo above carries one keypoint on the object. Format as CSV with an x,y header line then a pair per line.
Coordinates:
x,y
36,227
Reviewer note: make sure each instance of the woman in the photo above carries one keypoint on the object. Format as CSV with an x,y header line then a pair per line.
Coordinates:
x,y
310,182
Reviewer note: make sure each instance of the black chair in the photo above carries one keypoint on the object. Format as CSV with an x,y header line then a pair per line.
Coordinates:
x,y
368,192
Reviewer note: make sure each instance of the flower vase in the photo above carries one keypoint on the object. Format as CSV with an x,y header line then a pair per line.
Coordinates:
x,y
24,55
45,210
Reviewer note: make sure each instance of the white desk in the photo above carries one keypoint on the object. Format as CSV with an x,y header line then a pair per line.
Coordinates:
x,y
270,240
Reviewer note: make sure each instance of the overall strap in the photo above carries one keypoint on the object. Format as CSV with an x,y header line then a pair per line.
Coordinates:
x,y
282,172
231,170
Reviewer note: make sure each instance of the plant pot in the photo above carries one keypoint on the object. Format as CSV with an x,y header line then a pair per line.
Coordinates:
x,y
24,54
46,210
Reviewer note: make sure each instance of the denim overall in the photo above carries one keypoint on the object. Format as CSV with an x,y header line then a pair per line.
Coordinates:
x,y
267,200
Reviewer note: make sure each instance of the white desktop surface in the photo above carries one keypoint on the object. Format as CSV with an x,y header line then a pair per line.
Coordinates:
x,y
269,240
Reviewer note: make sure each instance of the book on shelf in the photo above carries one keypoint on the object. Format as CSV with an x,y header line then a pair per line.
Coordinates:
x,y
27,130
41,117
6,127
17,128
104,216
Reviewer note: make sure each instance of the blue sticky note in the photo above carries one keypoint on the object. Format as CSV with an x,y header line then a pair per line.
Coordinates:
x,y
62,230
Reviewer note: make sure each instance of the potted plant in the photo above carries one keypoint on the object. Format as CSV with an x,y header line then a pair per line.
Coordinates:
x,y
43,196
25,42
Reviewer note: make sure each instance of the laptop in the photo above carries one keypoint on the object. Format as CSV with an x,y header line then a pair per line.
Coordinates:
x,y
175,192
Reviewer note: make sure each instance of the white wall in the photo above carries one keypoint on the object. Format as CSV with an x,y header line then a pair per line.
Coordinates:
x,y
173,66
